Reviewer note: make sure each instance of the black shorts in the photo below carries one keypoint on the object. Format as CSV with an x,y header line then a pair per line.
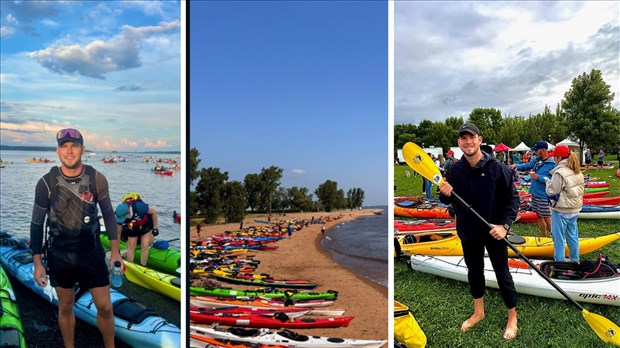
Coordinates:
x,y
600,163
88,268
138,231
588,160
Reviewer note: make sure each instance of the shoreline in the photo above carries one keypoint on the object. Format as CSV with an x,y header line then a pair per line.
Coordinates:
x,y
361,297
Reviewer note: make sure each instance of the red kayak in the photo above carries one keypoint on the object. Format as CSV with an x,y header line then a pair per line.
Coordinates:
x,y
163,172
252,320
602,201
423,212
291,312
526,216
595,194
403,226
597,184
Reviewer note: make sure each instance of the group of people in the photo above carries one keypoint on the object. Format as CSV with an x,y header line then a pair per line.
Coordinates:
x,y
557,189
67,198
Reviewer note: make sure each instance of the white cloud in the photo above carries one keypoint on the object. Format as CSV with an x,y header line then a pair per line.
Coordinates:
x,y
6,31
298,171
99,57
159,143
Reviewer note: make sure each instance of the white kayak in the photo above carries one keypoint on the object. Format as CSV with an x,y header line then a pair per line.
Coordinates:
x,y
204,302
283,338
604,291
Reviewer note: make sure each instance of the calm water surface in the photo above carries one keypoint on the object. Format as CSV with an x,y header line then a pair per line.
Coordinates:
x,y
361,246
18,182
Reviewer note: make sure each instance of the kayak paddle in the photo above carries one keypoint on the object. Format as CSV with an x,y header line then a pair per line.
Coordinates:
x,y
419,161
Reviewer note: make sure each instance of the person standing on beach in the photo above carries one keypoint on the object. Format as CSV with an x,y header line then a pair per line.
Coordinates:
x,y
539,167
68,195
323,230
290,231
475,173
198,229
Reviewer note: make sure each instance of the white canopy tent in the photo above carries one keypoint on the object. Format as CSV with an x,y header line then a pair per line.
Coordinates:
x,y
521,147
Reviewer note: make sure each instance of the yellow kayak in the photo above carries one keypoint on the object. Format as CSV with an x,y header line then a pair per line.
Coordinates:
x,y
447,243
159,282
406,328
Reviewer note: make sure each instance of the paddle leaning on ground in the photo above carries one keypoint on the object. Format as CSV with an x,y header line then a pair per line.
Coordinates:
x,y
419,161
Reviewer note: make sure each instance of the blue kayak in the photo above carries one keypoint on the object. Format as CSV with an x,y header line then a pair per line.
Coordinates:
x,y
133,322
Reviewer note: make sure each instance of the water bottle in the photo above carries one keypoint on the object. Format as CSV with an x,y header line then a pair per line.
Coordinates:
x,y
117,275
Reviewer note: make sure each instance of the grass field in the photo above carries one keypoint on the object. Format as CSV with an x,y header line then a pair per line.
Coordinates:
x,y
440,305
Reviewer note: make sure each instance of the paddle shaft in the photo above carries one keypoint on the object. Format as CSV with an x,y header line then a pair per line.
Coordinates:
x,y
519,253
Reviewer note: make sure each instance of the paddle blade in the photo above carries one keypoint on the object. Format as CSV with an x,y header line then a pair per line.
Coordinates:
x,y
604,328
419,161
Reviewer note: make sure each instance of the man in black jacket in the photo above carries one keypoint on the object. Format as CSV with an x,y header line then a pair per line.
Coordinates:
x,y
487,185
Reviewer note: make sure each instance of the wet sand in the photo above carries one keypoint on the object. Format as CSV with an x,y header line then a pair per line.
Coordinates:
x,y
302,257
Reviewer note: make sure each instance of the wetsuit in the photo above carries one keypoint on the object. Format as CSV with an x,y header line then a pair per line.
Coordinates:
x,y
74,251
488,187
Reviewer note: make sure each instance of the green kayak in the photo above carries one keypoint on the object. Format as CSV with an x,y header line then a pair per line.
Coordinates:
x,y
265,293
11,329
163,260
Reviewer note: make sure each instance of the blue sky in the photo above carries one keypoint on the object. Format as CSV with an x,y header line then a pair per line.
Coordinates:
x,y
298,85
451,57
109,68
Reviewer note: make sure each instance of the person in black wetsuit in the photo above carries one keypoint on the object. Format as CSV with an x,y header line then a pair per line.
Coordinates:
x,y
68,195
487,185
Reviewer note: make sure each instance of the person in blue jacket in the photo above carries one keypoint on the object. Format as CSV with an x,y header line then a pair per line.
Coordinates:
x,y
539,166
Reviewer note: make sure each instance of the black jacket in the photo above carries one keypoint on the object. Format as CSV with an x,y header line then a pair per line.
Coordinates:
x,y
489,189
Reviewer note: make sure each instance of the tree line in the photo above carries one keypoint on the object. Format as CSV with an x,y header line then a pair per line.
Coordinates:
x,y
585,113
215,196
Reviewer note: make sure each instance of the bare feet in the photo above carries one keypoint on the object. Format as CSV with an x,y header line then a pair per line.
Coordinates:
x,y
511,326
473,320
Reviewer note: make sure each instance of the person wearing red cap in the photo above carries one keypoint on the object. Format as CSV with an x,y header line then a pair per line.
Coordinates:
x,y
565,190
68,196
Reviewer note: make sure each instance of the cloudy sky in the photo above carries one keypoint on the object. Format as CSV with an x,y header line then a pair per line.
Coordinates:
x,y
451,57
110,69
301,85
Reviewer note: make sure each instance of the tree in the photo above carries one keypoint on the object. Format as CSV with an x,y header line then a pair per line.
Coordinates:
x,y
270,180
341,201
233,201
194,161
327,194
355,198
488,120
300,198
281,199
589,114
253,190
208,193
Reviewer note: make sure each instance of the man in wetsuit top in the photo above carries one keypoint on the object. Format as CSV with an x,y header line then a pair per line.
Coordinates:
x,y
68,196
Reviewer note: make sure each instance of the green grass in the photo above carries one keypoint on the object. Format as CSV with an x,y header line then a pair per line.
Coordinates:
x,y
440,305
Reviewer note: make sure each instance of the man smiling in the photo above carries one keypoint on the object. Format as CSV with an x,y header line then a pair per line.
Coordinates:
x,y
68,197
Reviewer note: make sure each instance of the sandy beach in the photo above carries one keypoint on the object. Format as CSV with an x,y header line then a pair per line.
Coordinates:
x,y
302,257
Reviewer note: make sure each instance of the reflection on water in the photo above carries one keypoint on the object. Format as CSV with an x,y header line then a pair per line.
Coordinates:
x,y
18,181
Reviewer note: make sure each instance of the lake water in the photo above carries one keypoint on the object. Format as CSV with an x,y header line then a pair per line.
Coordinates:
x,y
19,179
361,245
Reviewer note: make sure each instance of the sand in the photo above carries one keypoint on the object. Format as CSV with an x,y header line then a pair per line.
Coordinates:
x,y
302,257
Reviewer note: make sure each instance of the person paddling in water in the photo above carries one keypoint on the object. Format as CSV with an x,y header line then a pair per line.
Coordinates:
x,y
476,173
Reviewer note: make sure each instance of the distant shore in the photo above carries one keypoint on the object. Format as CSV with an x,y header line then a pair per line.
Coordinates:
x,y
302,257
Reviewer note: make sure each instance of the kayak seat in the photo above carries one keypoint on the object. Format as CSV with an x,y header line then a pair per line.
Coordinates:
x,y
566,270
335,339
293,336
281,317
131,311
176,282
23,258
11,336
241,332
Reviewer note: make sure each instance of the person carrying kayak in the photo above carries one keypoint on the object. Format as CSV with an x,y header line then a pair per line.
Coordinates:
x,y
539,166
134,219
68,196
487,185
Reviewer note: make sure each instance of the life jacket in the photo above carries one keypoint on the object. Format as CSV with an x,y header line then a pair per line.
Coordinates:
x,y
72,215
138,209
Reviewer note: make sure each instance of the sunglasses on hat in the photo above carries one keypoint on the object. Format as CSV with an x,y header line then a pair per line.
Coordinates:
x,y
68,133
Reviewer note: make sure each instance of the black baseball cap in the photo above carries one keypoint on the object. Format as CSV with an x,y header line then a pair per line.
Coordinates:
x,y
469,128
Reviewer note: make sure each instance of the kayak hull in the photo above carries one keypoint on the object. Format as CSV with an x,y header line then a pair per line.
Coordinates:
x,y
449,244
11,328
605,291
